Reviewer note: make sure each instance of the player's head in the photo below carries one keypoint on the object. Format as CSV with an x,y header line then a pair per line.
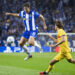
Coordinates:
x,y
58,25
27,7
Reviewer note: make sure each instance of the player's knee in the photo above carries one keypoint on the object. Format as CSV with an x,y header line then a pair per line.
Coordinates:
x,y
20,44
31,43
53,62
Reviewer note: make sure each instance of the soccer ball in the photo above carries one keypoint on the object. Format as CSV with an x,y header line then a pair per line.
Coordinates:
x,y
10,39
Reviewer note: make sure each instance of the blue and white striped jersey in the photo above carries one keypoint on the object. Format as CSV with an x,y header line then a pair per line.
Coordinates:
x,y
29,19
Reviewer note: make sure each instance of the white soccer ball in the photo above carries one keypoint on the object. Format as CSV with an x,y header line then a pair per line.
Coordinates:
x,y
10,39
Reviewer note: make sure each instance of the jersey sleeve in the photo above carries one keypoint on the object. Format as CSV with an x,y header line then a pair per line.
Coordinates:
x,y
21,14
36,15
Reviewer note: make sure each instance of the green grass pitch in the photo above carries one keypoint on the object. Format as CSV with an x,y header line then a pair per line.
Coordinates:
x,y
14,64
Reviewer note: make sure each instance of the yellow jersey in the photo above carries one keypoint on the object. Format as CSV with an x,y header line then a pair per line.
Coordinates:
x,y
64,47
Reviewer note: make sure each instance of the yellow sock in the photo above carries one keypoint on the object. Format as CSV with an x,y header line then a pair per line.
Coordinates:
x,y
49,68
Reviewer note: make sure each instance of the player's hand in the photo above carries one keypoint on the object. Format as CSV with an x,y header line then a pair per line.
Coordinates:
x,y
7,13
52,45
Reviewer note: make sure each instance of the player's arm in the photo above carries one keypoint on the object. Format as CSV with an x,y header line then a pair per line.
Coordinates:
x,y
43,20
12,14
54,39
61,41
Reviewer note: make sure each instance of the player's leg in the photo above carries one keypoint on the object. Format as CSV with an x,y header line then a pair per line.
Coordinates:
x,y
38,46
32,41
55,60
69,58
21,43
50,67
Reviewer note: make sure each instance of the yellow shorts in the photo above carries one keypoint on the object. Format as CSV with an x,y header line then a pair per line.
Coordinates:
x,y
63,55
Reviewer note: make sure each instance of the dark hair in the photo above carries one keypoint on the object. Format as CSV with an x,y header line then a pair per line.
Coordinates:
x,y
27,4
59,24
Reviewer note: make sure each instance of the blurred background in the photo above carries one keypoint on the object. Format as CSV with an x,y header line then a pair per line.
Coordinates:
x,y
12,63
51,10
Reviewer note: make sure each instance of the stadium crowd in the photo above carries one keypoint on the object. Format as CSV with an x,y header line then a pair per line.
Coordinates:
x,y
51,10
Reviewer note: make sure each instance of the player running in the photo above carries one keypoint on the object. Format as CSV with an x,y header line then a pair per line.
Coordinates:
x,y
31,32
62,41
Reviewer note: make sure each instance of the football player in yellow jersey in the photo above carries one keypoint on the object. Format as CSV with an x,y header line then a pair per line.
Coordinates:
x,y
62,41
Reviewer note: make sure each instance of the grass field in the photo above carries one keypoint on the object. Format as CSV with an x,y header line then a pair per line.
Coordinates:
x,y
14,64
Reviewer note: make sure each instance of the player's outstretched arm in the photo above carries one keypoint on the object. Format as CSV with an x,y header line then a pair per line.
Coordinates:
x,y
43,20
61,41
54,39
12,14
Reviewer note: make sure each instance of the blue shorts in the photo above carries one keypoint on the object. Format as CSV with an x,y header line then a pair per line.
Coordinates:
x,y
27,34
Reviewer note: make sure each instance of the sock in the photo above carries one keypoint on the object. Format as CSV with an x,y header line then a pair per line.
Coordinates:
x,y
50,68
26,50
37,45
